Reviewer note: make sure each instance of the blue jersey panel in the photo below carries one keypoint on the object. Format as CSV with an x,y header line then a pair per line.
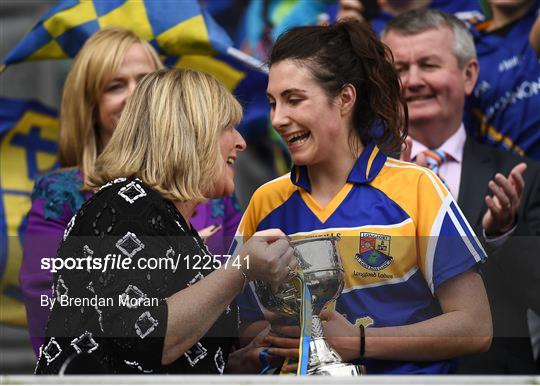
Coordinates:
x,y
294,216
291,217
390,305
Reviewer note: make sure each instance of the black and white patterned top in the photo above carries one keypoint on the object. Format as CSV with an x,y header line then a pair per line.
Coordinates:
x,y
109,313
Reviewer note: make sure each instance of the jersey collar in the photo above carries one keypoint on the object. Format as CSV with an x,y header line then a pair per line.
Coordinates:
x,y
366,168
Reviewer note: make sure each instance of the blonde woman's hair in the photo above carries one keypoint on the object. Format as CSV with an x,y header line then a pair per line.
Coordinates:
x,y
168,135
94,66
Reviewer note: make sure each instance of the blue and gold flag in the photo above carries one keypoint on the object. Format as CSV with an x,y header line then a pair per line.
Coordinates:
x,y
179,30
28,147
172,27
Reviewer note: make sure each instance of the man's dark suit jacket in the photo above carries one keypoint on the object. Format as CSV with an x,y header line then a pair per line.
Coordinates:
x,y
512,271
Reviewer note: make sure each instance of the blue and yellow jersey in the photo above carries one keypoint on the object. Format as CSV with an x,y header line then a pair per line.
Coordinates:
x,y
503,108
402,236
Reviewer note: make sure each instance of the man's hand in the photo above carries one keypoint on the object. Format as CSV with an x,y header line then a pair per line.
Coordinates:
x,y
503,205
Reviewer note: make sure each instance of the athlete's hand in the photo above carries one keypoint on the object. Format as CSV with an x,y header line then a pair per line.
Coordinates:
x,y
342,335
284,341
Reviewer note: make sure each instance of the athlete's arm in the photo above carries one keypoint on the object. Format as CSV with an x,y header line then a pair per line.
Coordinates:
x,y
463,328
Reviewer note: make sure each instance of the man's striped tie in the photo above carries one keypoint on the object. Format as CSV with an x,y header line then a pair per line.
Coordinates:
x,y
435,159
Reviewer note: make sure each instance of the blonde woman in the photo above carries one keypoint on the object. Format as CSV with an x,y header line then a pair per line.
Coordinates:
x,y
102,77
175,146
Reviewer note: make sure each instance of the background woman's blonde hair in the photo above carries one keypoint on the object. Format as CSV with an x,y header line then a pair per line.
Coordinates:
x,y
168,135
95,64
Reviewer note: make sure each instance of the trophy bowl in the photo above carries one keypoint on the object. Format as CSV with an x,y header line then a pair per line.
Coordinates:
x,y
319,260
319,265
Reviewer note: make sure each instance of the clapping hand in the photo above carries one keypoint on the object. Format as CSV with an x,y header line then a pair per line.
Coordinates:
x,y
503,204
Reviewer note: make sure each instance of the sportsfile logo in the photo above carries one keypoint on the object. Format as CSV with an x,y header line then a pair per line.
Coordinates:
x,y
170,262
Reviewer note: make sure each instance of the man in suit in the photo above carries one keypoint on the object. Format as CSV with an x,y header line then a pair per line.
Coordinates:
x,y
498,192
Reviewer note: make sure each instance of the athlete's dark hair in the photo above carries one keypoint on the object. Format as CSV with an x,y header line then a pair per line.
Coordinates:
x,y
350,53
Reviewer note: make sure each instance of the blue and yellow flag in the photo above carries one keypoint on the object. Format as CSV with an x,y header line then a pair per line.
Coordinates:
x,y
172,27
28,147
179,30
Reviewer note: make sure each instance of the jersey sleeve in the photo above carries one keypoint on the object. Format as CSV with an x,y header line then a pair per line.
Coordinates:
x,y
446,242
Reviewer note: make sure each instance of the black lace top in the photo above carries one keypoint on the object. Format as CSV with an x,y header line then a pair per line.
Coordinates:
x,y
123,254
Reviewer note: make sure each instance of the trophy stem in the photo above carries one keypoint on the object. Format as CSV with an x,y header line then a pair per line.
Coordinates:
x,y
317,330
320,353
323,359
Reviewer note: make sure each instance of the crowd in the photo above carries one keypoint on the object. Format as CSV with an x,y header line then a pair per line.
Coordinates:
x,y
413,132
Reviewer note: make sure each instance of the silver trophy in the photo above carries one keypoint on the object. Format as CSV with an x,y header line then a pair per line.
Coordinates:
x,y
320,263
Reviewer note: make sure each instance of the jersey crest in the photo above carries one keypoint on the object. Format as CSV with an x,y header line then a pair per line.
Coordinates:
x,y
374,251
